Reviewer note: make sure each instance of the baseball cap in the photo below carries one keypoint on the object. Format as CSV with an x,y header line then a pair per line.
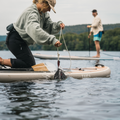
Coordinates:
x,y
94,10
52,4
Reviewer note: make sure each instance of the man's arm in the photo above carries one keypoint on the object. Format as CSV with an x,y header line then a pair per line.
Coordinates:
x,y
90,34
34,30
96,22
91,31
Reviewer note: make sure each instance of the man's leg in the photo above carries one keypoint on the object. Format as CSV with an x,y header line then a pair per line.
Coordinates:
x,y
23,54
97,44
21,51
6,62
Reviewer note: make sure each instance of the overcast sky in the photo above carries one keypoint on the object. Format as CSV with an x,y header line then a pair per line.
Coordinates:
x,y
71,12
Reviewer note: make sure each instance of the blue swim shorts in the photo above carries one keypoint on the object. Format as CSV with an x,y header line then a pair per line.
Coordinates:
x,y
98,36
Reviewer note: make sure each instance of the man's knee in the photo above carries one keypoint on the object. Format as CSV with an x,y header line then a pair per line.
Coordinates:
x,y
17,63
97,42
31,63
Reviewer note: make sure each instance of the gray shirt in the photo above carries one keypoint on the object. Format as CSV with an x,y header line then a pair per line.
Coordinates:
x,y
34,27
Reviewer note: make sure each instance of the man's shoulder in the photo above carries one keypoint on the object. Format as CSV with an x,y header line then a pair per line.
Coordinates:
x,y
97,17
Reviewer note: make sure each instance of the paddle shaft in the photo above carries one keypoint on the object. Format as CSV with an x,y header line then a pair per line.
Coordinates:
x,y
89,42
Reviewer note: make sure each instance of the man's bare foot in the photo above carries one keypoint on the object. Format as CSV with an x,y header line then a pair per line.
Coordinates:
x,y
97,56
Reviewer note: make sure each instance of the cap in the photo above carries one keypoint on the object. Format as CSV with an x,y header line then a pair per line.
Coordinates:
x,y
94,10
52,4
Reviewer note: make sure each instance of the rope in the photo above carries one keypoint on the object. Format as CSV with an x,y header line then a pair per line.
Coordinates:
x,y
57,47
67,51
61,35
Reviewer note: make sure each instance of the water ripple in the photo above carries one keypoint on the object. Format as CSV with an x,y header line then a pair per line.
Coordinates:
x,y
71,99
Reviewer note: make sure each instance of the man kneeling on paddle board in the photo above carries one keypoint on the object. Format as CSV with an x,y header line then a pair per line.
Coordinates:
x,y
33,26
97,30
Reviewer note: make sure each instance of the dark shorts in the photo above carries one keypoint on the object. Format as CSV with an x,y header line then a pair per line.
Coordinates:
x,y
19,48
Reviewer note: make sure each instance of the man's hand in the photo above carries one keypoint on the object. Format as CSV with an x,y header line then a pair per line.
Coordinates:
x,y
62,25
89,35
58,44
89,26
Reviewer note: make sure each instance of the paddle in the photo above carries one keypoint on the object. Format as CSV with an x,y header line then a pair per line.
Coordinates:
x,y
89,41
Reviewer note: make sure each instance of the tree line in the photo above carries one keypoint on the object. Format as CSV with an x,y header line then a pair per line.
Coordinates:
x,y
78,42
78,29
82,28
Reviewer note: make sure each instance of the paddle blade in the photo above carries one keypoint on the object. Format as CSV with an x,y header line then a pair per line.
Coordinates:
x,y
59,75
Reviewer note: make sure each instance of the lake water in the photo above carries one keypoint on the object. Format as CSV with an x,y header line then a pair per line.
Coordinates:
x,y
71,99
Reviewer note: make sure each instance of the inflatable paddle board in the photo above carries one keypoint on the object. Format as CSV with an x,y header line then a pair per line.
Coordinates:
x,y
38,73
41,56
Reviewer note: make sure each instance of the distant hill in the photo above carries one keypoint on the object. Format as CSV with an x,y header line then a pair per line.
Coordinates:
x,y
79,29
82,28
78,42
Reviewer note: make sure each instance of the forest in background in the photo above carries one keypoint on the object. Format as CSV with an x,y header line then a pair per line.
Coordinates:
x,y
78,29
78,42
